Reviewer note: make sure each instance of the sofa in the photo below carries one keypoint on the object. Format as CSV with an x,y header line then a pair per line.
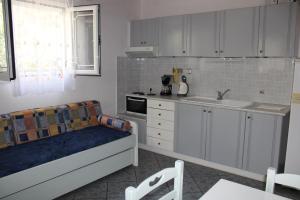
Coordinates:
x,y
48,152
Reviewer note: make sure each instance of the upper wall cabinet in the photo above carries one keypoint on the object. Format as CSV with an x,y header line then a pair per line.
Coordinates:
x,y
204,34
277,30
172,36
144,33
239,32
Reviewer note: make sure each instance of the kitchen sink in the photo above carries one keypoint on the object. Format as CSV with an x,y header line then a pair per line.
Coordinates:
x,y
200,99
235,103
225,102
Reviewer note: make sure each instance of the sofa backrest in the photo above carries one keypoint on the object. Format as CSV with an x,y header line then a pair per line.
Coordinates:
x,y
33,124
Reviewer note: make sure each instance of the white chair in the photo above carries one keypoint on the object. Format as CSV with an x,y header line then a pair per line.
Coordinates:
x,y
157,180
289,180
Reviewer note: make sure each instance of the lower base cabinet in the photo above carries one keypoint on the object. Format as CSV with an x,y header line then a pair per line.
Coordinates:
x,y
265,142
225,137
249,141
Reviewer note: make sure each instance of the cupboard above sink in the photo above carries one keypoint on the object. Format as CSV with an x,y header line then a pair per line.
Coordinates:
x,y
265,31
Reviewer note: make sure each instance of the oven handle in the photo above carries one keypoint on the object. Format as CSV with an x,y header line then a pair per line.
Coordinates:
x,y
140,100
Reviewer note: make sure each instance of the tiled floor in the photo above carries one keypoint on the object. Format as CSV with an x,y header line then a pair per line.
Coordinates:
x,y
197,180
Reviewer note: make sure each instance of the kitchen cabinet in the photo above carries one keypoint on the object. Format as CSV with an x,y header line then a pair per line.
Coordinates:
x,y
225,136
144,33
265,139
173,36
204,37
191,130
160,124
277,30
239,32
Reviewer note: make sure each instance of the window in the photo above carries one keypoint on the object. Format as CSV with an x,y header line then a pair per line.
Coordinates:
x,y
7,70
86,40
41,46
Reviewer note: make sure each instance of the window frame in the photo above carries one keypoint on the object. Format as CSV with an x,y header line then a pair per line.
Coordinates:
x,y
9,42
96,37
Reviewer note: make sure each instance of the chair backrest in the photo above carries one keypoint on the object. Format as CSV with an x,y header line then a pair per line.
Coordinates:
x,y
289,180
157,180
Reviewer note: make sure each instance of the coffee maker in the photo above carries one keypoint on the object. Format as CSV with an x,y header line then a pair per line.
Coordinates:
x,y
166,89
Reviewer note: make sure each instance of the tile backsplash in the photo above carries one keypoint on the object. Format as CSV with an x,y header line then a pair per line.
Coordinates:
x,y
256,79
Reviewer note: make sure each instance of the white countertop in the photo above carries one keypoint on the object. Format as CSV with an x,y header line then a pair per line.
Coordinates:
x,y
227,190
253,108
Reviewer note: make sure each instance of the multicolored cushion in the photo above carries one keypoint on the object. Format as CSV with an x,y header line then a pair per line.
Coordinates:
x,y
50,122
24,126
78,118
93,112
6,132
115,123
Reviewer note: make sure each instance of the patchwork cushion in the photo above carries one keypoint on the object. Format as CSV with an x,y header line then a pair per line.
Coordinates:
x,y
93,112
24,126
50,122
78,118
6,132
115,123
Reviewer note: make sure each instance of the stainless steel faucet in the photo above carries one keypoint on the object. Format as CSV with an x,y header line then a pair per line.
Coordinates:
x,y
221,95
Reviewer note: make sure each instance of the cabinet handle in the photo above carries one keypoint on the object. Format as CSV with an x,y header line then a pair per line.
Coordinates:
x,y
159,114
183,51
158,143
261,51
159,105
209,111
145,42
141,42
216,51
221,51
249,117
204,110
158,134
159,124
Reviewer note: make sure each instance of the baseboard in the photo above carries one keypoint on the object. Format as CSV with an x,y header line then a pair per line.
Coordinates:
x,y
205,163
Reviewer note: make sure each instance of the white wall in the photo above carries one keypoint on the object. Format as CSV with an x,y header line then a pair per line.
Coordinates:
x,y
159,8
115,16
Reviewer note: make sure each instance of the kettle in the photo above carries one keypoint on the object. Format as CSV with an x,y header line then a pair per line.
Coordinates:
x,y
183,87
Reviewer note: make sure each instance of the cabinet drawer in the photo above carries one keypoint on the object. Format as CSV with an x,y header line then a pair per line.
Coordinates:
x,y
164,105
154,142
160,134
160,114
161,124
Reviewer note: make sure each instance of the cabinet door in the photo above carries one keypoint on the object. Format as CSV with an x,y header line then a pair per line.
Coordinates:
x,y
262,138
204,34
239,32
136,33
150,33
189,136
225,137
276,38
172,36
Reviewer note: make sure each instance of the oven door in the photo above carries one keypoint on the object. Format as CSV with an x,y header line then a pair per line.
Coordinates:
x,y
136,105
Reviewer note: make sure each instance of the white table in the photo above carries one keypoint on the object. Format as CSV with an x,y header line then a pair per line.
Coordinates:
x,y
227,190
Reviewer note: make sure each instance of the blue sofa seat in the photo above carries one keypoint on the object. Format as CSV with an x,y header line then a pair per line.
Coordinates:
x,y
24,156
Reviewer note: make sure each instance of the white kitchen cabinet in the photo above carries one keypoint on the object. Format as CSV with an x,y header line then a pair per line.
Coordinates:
x,y
265,142
239,32
204,38
277,30
173,36
160,124
225,136
144,33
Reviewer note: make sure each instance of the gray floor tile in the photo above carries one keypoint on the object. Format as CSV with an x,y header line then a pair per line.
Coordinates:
x,y
197,180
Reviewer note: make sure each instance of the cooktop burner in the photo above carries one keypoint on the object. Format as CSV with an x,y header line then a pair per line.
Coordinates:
x,y
139,93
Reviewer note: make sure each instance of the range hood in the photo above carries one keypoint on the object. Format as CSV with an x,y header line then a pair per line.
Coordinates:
x,y
142,52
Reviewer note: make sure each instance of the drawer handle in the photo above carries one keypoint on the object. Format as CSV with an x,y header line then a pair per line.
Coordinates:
x,y
159,105
159,114
159,124
158,143
159,134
